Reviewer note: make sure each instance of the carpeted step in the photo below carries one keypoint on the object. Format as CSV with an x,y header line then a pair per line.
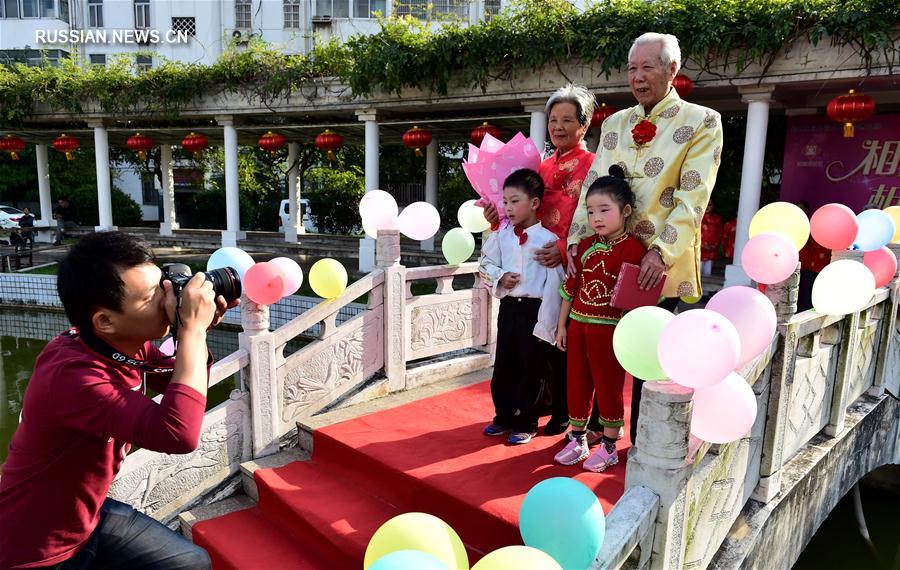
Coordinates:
x,y
248,540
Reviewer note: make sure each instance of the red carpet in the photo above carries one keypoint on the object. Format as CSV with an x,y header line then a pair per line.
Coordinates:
x,y
427,456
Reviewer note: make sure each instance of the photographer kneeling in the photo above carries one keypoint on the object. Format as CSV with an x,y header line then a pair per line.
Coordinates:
x,y
85,405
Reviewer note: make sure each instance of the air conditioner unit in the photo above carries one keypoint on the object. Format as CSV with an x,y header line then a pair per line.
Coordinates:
x,y
321,20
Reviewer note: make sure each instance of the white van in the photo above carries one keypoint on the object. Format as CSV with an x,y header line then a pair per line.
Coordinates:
x,y
284,216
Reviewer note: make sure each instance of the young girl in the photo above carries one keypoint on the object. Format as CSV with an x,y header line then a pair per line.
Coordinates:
x,y
592,365
529,307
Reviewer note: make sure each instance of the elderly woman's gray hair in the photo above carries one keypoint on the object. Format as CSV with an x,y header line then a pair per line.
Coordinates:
x,y
577,95
669,49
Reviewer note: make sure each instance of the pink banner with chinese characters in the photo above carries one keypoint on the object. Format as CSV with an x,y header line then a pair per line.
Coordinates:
x,y
821,166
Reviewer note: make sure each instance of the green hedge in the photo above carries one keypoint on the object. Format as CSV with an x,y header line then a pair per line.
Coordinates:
x,y
406,53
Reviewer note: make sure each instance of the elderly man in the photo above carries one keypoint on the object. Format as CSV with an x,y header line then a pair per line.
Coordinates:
x,y
670,151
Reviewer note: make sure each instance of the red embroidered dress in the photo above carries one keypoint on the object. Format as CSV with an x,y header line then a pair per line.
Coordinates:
x,y
563,177
598,264
728,232
814,257
711,234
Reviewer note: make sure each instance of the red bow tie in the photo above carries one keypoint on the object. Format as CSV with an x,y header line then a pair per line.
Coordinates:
x,y
519,231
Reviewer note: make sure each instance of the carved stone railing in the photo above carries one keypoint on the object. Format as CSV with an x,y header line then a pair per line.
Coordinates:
x,y
162,485
818,366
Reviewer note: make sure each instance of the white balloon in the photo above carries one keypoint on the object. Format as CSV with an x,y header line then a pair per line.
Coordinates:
x,y
378,211
471,217
843,287
419,221
233,257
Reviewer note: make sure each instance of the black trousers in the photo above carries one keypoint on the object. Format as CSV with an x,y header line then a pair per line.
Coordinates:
x,y
555,371
517,382
637,385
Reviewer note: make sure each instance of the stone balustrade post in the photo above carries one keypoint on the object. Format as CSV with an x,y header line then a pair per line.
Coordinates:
x,y
658,463
886,374
265,408
387,257
846,358
784,296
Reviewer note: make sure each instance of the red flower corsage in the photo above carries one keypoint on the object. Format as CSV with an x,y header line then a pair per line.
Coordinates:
x,y
521,233
643,132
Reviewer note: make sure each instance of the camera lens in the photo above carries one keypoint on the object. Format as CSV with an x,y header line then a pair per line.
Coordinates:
x,y
226,282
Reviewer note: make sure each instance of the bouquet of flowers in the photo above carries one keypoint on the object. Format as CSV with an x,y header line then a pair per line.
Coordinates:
x,y
488,166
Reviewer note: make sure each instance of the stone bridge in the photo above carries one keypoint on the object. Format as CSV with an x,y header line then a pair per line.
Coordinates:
x,y
827,393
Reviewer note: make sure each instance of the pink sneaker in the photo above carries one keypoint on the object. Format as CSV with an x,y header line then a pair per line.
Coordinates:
x,y
601,459
572,453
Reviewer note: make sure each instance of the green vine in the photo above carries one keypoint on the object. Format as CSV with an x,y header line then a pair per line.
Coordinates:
x,y
406,53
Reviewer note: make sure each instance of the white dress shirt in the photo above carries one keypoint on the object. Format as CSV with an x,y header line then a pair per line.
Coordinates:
x,y
502,254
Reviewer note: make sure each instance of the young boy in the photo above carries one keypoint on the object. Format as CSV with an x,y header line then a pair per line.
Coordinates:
x,y
529,307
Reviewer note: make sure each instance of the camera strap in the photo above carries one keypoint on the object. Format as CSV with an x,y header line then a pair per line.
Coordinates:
x,y
104,349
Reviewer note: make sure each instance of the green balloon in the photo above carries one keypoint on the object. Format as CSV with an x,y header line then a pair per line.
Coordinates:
x,y
635,341
458,246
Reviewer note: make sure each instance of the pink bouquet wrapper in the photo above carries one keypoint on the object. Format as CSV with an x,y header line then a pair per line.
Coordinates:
x,y
488,166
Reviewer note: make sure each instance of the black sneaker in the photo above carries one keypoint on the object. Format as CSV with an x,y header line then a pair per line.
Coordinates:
x,y
554,427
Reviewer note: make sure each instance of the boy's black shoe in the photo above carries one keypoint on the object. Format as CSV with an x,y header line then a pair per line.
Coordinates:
x,y
555,426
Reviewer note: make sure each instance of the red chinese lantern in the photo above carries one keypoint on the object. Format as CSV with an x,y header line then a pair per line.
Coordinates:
x,y
12,145
683,85
65,143
851,108
486,128
272,142
140,144
417,139
601,113
330,142
195,143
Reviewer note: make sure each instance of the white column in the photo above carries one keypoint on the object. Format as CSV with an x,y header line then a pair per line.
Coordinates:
x,y
104,181
295,224
232,233
169,222
431,184
43,176
538,131
758,100
367,245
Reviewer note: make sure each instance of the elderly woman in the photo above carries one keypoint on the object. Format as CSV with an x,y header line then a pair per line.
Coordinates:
x,y
569,112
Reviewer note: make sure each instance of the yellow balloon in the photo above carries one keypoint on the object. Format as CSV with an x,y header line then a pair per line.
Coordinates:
x,y
418,531
782,218
894,213
517,558
328,278
691,300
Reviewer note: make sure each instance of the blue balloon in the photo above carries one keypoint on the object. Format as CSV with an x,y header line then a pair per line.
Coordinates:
x,y
876,229
563,518
407,559
238,259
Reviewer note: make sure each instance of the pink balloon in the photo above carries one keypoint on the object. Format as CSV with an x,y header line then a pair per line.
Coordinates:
x,y
698,348
752,314
834,226
725,411
419,221
168,347
883,265
378,211
264,283
293,275
769,258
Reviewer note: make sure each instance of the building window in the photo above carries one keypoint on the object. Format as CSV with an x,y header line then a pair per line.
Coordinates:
x,y
148,190
98,59
95,13
144,63
291,14
368,8
184,25
333,8
29,8
48,9
11,8
491,9
64,10
242,14
141,14
427,9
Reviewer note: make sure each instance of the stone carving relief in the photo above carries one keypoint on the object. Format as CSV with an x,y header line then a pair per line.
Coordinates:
x,y
810,398
162,479
445,323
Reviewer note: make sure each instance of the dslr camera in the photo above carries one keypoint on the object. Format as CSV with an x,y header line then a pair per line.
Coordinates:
x,y
225,281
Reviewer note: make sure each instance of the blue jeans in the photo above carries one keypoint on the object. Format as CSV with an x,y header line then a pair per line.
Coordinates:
x,y
126,538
